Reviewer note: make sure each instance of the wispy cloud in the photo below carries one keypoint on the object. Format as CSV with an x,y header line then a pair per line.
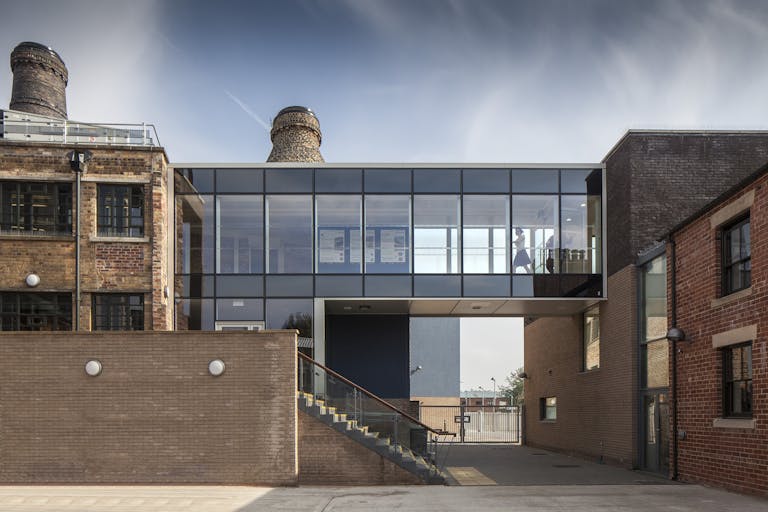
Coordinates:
x,y
245,108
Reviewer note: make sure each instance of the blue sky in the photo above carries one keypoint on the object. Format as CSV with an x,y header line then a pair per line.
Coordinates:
x,y
406,81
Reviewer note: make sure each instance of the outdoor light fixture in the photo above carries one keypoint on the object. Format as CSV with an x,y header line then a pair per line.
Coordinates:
x,y
32,280
675,334
418,368
216,367
522,375
93,368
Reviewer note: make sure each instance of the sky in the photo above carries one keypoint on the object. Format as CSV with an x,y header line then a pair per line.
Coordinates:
x,y
406,80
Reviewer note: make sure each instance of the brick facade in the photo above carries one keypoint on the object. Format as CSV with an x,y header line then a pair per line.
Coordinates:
x,y
595,412
154,415
107,264
713,451
327,457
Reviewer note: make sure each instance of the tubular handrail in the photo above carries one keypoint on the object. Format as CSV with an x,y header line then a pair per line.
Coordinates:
x,y
367,393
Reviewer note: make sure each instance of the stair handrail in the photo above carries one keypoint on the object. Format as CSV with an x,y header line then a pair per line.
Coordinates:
x,y
368,393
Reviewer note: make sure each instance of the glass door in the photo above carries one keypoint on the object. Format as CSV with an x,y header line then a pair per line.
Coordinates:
x,y
656,433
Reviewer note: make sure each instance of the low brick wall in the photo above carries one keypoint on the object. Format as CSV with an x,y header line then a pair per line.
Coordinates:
x,y
154,415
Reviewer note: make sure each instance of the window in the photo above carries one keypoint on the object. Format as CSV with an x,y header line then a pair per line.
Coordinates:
x,y
737,381
36,208
289,234
240,234
118,312
436,234
548,408
35,311
737,268
485,234
591,353
121,210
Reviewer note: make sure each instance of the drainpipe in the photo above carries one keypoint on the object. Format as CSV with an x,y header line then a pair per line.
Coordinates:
x,y
78,160
673,318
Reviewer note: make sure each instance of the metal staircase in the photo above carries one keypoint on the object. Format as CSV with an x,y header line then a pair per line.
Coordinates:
x,y
369,420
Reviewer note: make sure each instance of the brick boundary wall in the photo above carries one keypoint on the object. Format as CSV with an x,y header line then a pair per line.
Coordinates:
x,y
596,417
154,415
734,458
328,457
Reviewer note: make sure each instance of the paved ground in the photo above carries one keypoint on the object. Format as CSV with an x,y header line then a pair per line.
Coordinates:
x,y
520,465
508,478
584,498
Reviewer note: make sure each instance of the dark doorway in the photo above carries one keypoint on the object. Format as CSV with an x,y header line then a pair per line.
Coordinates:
x,y
656,433
371,351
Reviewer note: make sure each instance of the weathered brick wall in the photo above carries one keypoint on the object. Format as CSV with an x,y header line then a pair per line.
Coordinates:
x,y
731,457
154,415
649,172
138,265
595,410
327,457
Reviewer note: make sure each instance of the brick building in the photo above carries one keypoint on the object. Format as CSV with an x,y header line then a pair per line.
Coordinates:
x,y
83,212
598,381
718,296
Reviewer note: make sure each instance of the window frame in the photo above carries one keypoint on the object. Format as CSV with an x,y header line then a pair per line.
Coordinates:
x,y
594,312
544,407
725,233
113,300
106,225
59,195
727,385
21,314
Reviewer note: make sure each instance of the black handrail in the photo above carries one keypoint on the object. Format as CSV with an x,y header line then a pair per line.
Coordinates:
x,y
368,393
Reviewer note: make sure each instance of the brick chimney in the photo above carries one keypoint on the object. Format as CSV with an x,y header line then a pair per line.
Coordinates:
x,y
296,136
39,80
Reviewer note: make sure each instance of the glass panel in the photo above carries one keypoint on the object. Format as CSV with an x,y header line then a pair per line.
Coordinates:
x,y
535,233
239,286
239,309
195,315
486,286
486,180
387,234
338,180
201,181
195,215
436,234
574,180
240,235
437,180
592,338
534,180
436,286
485,234
745,249
292,181
195,285
338,286
290,314
656,364
387,180
580,223
655,298
289,286
239,181
387,286
289,234
338,234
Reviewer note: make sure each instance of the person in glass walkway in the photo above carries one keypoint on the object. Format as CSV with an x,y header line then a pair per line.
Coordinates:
x,y
521,257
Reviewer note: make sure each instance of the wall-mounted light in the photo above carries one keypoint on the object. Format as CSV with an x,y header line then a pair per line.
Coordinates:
x,y
522,375
417,369
216,367
32,279
93,368
675,334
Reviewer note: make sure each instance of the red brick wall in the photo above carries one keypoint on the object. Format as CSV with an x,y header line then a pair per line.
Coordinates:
x,y
134,266
733,458
596,409
328,457
154,415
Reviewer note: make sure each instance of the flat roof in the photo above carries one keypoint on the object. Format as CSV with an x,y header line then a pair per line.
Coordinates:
x,y
384,165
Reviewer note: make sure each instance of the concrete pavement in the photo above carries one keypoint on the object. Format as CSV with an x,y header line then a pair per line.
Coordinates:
x,y
584,498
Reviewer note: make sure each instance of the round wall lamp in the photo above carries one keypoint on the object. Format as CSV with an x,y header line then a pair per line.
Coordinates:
x,y
216,367
32,279
675,334
93,368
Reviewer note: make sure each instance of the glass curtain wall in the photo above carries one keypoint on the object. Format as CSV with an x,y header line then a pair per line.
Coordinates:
x,y
581,234
338,235
387,234
485,234
289,234
436,234
240,234
535,234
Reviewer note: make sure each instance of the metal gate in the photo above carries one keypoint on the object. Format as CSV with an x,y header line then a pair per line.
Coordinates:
x,y
474,423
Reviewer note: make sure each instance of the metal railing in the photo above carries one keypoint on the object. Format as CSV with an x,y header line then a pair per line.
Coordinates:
x,y
22,126
368,410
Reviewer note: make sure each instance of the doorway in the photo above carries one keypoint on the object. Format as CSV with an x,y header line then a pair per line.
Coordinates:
x,y
656,432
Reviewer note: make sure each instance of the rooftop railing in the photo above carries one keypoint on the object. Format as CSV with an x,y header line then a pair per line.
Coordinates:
x,y
22,126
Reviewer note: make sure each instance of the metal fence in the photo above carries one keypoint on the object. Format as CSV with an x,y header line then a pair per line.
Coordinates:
x,y
474,423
